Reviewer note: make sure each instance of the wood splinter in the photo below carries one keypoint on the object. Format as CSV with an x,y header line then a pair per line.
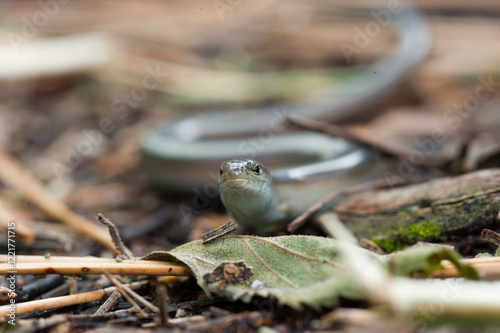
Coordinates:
x,y
491,236
115,237
219,232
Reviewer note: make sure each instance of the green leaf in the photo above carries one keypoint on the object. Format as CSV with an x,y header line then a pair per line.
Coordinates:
x,y
294,270
427,259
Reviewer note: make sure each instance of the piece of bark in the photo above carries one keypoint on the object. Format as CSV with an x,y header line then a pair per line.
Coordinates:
x,y
431,211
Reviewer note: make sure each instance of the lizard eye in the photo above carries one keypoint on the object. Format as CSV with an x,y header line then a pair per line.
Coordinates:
x,y
221,171
257,170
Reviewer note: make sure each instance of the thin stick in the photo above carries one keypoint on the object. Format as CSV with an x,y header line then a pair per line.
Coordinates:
x,y
51,259
115,237
219,232
15,176
162,299
168,279
62,301
141,299
73,288
109,304
132,293
302,218
125,294
490,236
487,266
341,132
126,267
57,56
23,228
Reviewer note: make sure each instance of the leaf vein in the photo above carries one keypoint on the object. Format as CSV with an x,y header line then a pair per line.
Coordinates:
x,y
266,266
300,255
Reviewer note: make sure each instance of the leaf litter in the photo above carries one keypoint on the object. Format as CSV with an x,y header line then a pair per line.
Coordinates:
x,y
294,270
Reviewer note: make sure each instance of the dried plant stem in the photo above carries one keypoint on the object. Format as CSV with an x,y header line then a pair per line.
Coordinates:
x,y
115,237
162,299
62,301
382,145
486,266
491,236
23,228
50,259
70,265
124,289
109,304
308,213
168,279
125,294
15,176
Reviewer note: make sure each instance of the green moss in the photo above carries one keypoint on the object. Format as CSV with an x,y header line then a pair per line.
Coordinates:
x,y
423,231
389,245
416,232
393,230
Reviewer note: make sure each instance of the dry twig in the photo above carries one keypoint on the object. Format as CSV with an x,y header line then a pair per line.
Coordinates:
x,y
23,228
491,236
130,292
302,218
14,175
219,232
124,293
383,146
115,236
489,267
74,265
162,299
62,301
109,304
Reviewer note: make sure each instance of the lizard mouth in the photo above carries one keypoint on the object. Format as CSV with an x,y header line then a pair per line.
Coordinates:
x,y
242,183
236,183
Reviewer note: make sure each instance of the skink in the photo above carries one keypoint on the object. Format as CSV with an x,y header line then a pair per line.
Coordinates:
x,y
260,202
183,155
